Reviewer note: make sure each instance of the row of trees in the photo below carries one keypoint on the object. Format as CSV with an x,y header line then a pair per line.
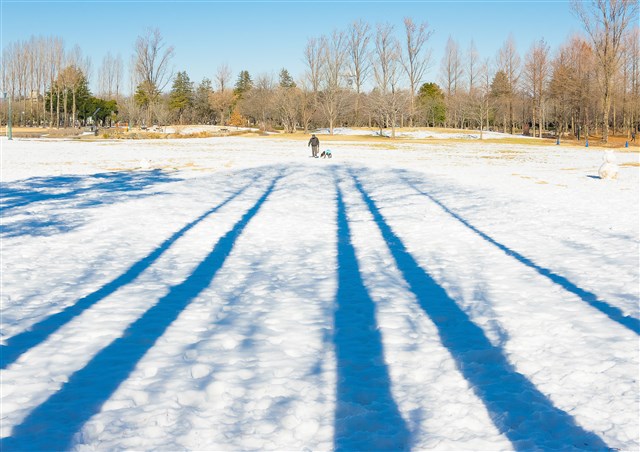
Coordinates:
x,y
364,75
48,84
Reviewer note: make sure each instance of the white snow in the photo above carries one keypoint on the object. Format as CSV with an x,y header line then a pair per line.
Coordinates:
x,y
185,130
236,294
435,134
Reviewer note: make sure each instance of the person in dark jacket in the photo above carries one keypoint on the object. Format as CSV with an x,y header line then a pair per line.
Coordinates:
x,y
315,146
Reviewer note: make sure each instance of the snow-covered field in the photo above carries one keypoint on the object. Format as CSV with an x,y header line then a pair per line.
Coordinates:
x,y
420,133
235,294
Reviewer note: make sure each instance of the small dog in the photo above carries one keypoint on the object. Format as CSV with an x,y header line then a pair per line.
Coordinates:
x,y
326,154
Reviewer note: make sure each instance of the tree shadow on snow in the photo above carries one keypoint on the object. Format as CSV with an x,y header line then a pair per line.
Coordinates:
x,y
39,332
366,416
590,298
68,192
52,425
518,409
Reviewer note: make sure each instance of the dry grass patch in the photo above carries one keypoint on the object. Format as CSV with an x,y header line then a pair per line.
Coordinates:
x,y
498,157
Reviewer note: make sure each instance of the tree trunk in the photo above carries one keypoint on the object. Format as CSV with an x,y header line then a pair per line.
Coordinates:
x,y
533,120
58,108
605,116
511,116
356,119
74,109
66,115
412,109
393,125
614,115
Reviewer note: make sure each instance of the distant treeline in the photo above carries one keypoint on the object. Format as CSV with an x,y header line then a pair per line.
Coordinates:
x,y
362,76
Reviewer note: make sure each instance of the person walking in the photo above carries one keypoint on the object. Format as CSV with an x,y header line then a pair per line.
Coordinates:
x,y
633,136
315,146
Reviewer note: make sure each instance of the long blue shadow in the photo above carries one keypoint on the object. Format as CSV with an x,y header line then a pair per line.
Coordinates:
x,y
518,409
63,191
590,298
52,425
13,194
366,416
39,332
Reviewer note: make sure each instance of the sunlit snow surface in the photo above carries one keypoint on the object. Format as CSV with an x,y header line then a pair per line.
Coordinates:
x,y
236,294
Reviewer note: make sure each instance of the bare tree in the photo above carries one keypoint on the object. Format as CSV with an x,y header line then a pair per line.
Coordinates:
x,y
313,60
131,109
152,60
573,86
479,104
222,99
333,97
70,78
415,58
105,77
536,74
110,76
307,105
258,102
509,63
77,68
359,62
21,72
34,75
606,21
8,72
222,77
42,74
55,56
451,71
385,58
287,103
631,113
472,66
387,100
561,79
162,113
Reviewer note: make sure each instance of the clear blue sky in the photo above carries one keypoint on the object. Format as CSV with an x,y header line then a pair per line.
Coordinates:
x,y
264,36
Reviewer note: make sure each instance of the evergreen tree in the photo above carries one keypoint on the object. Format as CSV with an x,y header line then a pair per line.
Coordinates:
x,y
82,97
181,96
86,103
431,102
243,84
286,81
145,94
500,93
201,104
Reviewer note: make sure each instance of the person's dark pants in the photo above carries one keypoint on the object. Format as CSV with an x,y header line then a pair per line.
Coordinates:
x,y
314,151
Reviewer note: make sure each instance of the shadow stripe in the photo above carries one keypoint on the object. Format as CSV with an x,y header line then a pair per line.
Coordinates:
x,y
518,409
366,415
590,298
39,332
52,425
